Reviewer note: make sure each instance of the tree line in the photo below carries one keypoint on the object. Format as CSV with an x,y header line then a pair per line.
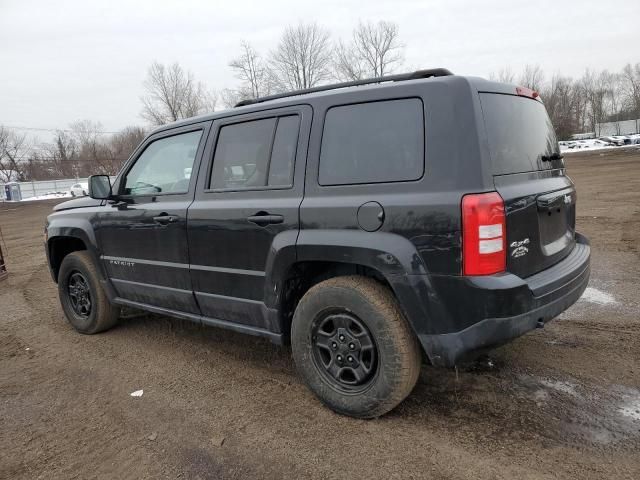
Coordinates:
x,y
304,57
577,105
79,151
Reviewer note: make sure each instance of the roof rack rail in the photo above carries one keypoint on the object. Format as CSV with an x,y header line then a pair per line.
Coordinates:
x,y
433,72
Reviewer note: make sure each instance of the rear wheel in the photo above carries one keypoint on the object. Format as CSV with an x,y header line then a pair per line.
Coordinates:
x,y
353,347
83,300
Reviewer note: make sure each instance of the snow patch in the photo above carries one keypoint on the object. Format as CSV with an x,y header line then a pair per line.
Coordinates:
x,y
540,397
603,143
48,196
631,409
137,393
560,386
594,295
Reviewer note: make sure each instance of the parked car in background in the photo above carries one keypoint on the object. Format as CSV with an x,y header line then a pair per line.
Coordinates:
x,y
79,190
615,140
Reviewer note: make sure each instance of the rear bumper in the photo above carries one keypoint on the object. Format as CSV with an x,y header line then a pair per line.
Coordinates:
x,y
531,302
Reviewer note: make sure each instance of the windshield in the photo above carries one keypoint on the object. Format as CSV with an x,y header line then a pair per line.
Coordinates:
x,y
521,136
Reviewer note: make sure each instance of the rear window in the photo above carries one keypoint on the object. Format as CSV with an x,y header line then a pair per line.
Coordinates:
x,y
372,143
519,132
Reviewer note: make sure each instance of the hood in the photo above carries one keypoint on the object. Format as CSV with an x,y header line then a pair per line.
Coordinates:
x,y
77,203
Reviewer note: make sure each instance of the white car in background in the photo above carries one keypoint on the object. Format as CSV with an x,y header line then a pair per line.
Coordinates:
x,y
79,190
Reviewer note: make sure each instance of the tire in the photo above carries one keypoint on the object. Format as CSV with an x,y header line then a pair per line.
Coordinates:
x,y
79,274
73,194
84,194
356,306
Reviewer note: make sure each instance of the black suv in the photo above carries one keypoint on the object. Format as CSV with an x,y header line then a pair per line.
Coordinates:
x,y
372,224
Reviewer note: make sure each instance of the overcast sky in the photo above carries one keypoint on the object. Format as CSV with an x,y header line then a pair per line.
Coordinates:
x,y
62,61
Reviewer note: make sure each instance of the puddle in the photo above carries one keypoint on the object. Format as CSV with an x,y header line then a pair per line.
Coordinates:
x,y
586,414
556,408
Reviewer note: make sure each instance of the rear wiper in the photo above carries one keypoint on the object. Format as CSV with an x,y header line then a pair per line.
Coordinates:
x,y
553,156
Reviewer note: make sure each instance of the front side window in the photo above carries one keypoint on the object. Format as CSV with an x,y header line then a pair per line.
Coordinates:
x,y
165,166
256,154
373,142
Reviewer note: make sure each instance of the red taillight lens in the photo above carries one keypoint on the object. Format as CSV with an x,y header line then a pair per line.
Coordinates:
x,y
484,234
527,92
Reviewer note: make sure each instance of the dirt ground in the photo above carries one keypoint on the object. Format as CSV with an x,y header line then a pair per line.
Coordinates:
x,y
561,402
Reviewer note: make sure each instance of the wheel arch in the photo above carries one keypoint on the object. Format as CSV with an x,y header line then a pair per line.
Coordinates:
x,y
318,255
74,235
58,248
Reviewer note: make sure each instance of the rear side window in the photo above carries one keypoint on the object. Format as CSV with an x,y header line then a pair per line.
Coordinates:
x,y
520,133
256,154
283,153
373,142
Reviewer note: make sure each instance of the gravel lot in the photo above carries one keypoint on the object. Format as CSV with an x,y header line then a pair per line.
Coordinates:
x,y
562,402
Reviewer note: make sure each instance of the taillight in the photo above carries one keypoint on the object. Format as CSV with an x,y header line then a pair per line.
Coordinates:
x,y
527,92
483,234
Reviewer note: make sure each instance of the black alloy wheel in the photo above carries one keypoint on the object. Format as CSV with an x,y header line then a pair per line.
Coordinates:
x,y
344,350
79,294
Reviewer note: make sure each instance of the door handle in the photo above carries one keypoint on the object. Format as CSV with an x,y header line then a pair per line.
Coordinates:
x,y
164,219
263,219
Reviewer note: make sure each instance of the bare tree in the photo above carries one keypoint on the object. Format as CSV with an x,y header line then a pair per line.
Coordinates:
x,y
172,94
595,87
93,152
374,51
252,71
230,97
346,63
564,101
81,150
118,149
302,59
631,88
532,77
13,151
58,159
504,75
615,98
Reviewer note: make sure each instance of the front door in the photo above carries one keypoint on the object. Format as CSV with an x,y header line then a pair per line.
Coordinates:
x,y
246,201
143,235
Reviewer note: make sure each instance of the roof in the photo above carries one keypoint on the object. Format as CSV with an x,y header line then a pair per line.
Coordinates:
x,y
247,106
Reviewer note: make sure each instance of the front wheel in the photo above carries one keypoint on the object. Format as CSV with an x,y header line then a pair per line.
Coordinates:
x,y
353,347
82,298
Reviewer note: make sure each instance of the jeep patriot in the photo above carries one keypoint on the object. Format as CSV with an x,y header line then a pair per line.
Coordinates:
x,y
370,224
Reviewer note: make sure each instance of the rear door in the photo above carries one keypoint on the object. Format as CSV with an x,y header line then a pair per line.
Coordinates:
x,y
529,174
249,194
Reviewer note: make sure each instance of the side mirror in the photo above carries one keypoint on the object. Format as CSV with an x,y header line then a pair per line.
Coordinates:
x,y
100,187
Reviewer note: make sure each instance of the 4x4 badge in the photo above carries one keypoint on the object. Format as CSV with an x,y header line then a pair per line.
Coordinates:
x,y
520,248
